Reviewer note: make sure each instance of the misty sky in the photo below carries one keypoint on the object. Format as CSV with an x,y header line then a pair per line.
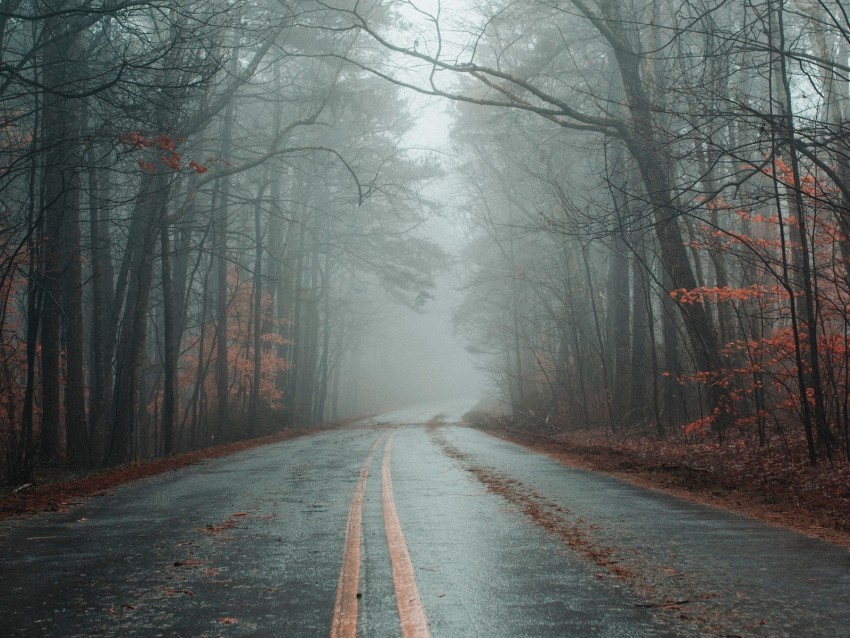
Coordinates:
x,y
408,356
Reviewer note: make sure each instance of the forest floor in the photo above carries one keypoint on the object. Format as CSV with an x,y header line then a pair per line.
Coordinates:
x,y
774,484
55,489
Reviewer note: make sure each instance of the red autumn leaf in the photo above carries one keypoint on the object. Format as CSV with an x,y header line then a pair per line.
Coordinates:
x,y
165,142
200,168
172,160
135,139
147,167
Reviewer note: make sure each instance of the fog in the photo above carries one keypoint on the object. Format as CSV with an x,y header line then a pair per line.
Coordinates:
x,y
413,357
225,218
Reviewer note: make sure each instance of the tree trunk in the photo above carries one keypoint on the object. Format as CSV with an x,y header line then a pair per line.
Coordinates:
x,y
103,297
257,330
62,279
647,148
642,344
170,347
220,212
618,317
324,362
137,275
308,353
825,435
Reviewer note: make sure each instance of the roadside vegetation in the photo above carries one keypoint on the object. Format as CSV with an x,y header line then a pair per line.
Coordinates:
x,y
201,204
662,284
776,484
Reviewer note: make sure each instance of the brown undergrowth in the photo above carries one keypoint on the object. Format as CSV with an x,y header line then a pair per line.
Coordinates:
x,y
56,491
774,484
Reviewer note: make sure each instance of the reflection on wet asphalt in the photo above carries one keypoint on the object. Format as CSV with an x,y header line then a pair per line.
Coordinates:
x,y
503,542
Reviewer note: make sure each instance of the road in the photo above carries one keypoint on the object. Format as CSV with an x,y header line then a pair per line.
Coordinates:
x,y
409,525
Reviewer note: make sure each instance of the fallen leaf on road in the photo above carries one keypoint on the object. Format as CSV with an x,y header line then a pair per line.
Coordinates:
x,y
189,562
230,523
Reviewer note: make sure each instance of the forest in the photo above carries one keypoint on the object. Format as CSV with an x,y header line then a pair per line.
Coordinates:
x,y
200,202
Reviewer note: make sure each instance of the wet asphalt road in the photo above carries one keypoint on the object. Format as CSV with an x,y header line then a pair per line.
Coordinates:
x,y
502,542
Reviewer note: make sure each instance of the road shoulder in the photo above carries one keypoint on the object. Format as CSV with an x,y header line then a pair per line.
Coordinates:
x,y
784,506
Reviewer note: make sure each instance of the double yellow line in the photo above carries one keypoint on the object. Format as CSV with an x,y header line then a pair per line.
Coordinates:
x,y
414,623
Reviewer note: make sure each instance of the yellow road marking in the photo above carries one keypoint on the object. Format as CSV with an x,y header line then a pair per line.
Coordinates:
x,y
414,623
344,623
